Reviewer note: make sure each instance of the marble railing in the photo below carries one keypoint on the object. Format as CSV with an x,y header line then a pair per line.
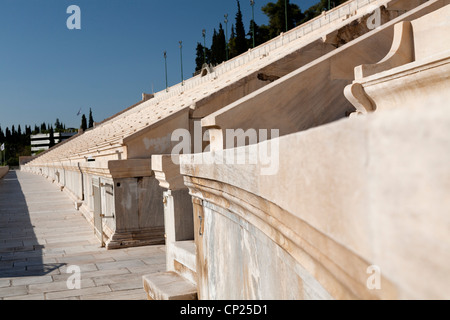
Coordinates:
x,y
312,95
416,67
357,209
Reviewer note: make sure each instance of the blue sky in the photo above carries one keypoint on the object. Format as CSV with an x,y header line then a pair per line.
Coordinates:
x,y
48,71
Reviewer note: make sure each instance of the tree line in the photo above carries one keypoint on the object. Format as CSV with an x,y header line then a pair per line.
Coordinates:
x,y
17,142
283,16
84,123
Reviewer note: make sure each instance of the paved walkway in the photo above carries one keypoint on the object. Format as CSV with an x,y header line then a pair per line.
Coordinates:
x,y
42,237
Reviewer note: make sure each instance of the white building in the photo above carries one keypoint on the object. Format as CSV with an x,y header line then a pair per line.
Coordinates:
x,y
41,142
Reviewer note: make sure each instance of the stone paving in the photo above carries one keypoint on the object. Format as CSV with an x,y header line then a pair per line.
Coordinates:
x,y
42,237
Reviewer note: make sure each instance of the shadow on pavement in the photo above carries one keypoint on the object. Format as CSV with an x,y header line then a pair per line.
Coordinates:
x,y
20,251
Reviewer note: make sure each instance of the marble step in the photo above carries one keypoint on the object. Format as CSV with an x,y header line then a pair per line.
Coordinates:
x,y
169,286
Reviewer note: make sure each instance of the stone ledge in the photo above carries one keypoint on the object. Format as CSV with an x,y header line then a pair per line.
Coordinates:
x,y
167,172
169,286
185,253
130,168
3,171
138,238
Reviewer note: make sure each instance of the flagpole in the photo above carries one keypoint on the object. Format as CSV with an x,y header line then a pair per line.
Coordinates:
x,y
3,149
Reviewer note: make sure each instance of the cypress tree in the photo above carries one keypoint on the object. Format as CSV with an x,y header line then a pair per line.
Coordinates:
x,y
199,57
214,59
91,119
2,135
7,135
52,138
218,49
232,43
261,34
58,125
83,122
241,41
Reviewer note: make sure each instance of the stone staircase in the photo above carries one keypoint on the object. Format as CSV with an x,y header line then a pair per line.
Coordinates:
x,y
179,284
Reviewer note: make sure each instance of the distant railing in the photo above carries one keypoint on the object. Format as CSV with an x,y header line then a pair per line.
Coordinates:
x,y
344,11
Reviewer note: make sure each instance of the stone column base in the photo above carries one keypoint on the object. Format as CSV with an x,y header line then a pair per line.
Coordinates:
x,y
147,237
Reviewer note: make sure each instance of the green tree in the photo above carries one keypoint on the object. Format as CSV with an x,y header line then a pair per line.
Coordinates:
x,y
27,137
91,119
218,47
318,8
7,134
261,34
2,136
199,58
83,122
232,43
59,126
51,138
276,12
241,44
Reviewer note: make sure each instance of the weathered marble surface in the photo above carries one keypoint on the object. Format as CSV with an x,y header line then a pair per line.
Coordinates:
x,y
3,171
358,209
349,195
415,70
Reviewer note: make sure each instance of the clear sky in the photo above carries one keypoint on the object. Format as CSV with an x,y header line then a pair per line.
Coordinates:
x,y
48,71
